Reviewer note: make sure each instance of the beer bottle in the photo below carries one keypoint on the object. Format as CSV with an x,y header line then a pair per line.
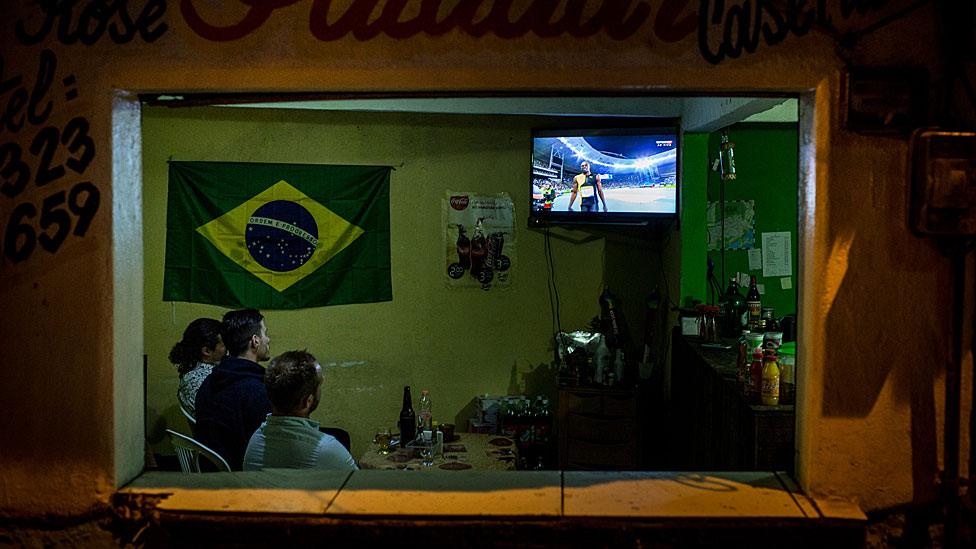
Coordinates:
x,y
754,303
734,305
408,419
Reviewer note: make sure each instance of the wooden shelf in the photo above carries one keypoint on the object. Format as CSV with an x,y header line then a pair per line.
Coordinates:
x,y
598,429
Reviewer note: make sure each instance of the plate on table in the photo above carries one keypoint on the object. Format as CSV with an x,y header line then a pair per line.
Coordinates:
x,y
455,448
500,441
454,466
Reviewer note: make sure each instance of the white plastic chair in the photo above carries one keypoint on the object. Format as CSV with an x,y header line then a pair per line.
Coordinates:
x,y
189,450
189,417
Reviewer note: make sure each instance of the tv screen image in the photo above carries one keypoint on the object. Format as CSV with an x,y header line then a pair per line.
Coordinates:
x,y
637,169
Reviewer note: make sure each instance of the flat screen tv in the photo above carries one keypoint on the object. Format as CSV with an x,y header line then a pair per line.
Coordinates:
x,y
604,175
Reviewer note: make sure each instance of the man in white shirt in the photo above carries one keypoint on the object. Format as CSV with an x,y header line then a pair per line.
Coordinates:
x,y
288,438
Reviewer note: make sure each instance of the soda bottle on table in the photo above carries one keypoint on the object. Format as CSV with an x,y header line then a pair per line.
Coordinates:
x,y
754,303
408,419
426,414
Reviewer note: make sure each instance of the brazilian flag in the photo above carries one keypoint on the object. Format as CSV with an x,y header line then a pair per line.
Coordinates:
x,y
277,236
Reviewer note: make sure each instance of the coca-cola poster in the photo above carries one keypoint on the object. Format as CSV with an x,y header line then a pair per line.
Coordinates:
x,y
479,240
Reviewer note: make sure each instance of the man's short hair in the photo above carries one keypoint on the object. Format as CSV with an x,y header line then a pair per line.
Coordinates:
x,y
291,377
237,328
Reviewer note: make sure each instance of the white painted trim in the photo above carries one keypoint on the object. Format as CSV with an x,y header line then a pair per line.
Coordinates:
x,y
127,288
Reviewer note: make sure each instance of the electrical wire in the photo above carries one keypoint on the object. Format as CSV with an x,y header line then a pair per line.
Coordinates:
x,y
664,275
556,323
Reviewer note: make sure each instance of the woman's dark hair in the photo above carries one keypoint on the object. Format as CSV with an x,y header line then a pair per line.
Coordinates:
x,y
202,332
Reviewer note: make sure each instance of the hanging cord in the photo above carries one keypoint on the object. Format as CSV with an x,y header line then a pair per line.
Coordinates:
x,y
556,324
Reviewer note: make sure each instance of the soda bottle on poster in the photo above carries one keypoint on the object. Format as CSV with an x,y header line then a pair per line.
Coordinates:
x,y
478,249
463,248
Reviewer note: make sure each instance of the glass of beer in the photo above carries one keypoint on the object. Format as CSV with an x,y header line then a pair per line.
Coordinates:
x,y
382,439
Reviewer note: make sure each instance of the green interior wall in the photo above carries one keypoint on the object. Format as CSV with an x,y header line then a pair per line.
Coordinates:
x,y
457,343
694,237
766,172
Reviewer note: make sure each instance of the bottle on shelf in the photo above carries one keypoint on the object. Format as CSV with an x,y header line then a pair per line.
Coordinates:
x,y
408,419
755,376
506,422
601,361
426,414
618,337
734,306
770,379
754,303
742,360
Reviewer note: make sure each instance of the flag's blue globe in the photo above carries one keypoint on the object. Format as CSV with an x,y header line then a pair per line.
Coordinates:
x,y
281,235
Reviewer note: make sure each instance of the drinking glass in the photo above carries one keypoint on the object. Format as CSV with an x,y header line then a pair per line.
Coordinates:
x,y
427,454
382,439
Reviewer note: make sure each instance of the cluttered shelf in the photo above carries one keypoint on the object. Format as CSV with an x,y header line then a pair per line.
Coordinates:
x,y
717,425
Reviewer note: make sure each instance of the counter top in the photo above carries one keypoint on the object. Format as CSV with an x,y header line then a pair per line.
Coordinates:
x,y
722,362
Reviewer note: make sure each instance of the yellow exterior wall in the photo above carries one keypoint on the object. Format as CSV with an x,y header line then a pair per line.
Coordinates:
x,y
870,398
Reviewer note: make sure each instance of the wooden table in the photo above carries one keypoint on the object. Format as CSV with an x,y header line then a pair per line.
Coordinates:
x,y
470,451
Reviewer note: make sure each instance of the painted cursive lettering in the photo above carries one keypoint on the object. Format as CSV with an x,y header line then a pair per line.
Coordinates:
x,y
89,23
259,11
38,105
366,19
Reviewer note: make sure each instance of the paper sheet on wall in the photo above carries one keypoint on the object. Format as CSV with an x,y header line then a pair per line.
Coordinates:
x,y
777,254
755,259
739,226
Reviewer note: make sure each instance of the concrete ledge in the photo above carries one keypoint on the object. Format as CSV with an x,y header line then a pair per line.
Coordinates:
x,y
481,508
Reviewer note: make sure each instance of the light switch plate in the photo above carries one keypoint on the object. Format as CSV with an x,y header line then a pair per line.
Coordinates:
x,y
943,187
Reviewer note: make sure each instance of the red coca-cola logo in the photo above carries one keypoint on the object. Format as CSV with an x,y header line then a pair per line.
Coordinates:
x,y
459,202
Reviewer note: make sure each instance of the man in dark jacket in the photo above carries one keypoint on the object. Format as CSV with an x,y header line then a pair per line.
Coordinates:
x,y
232,402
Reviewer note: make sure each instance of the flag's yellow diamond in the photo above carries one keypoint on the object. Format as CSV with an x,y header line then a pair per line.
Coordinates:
x,y
301,236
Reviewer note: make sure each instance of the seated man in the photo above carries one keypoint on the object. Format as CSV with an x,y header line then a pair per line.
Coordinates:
x,y
288,438
232,402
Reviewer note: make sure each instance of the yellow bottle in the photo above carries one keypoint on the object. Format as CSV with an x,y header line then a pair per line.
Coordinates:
x,y
770,380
